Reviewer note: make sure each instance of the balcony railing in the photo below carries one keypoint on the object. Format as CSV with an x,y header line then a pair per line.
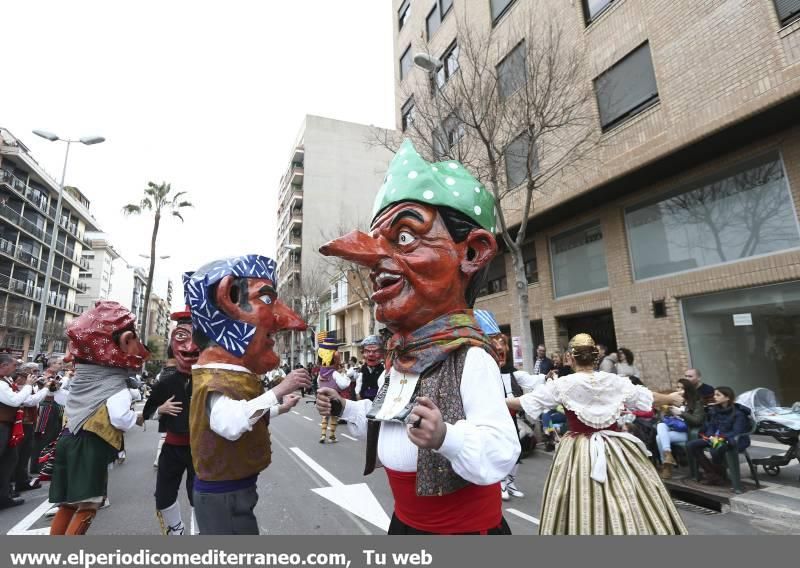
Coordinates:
x,y
18,253
17,219
32,195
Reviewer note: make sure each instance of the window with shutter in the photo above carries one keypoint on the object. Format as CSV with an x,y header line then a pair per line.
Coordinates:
x,y
512,72
499,7
405,63
627,88
788,10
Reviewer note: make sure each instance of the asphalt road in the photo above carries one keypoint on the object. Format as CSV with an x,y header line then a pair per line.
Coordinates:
x,y
288,503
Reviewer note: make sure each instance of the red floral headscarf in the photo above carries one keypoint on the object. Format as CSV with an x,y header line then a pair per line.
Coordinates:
x,y
91,336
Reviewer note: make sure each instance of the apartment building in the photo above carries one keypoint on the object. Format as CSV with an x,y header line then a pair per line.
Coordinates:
x,y
333,173
28,197
682,242
97,275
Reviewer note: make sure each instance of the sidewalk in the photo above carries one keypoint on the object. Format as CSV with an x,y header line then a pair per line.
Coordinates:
x,y
776,501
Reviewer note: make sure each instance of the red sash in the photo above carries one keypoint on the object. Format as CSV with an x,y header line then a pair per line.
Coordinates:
x,y
475,508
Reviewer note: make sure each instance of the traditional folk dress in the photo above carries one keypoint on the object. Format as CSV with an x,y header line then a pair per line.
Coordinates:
x,y
98,411
329,377
601,480
175,457
455,489
230,445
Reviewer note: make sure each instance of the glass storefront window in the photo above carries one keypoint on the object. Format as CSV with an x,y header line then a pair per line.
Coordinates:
x,y
579,261
732,217
747,338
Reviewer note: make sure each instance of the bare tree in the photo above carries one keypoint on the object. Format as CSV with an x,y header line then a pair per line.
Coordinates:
x,y
518,112
303,295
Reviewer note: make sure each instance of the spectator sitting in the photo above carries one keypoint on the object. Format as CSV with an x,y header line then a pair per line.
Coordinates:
x,y
541,364
704,391
725,420
675,424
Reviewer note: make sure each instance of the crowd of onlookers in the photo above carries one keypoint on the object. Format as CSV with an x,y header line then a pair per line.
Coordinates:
x,y
30,422
709,420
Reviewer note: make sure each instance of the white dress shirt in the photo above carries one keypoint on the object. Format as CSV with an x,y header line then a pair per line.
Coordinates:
x,y
231,418
11,398
527,381
36,397
482,448
120,414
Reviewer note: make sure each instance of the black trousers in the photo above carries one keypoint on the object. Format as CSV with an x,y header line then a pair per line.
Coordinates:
x,y
398,527
8,461
173,462
21,476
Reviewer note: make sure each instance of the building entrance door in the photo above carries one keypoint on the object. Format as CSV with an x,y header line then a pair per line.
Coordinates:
x,y
599,325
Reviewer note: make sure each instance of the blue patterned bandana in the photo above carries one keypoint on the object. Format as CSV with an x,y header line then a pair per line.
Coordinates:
x,y
232,335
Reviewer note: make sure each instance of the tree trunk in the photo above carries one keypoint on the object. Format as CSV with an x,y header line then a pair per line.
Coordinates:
x,y
150,274
523,319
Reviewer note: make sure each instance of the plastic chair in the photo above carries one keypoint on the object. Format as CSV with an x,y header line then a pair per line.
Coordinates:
x,y
731,463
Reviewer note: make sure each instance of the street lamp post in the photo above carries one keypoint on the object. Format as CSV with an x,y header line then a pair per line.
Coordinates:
x,y
48,273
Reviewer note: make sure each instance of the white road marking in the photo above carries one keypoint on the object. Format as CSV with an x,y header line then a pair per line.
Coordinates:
x,y
522,515
23,527
309,419
295,412
349,437
358,498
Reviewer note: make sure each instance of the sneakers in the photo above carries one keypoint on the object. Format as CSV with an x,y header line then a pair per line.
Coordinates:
x,y
51,512
504,491
333,439
512,490
322,439
106,504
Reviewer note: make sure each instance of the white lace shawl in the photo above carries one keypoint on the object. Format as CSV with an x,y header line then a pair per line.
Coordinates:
x,y
597,399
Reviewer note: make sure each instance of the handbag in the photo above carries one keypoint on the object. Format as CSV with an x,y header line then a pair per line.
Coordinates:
x,y
675,424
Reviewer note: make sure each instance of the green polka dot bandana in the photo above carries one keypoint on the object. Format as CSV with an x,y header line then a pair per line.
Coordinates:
x,y
449,184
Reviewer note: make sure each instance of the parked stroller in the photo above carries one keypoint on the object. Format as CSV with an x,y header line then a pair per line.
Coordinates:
x,y
780,422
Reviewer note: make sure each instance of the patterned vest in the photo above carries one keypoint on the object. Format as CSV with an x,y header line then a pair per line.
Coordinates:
x,y
442,384
216,458
100,423
8,414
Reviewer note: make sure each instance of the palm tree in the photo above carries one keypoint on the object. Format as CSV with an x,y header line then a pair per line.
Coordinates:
x,y
156,198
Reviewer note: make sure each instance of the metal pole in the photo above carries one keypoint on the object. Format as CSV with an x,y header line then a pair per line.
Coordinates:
x,y
48,273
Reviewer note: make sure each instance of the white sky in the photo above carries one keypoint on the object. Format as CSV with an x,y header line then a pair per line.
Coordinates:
x,y
207,96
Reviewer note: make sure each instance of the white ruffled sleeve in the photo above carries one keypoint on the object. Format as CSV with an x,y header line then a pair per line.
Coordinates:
x,y
484,447
636,397
541,399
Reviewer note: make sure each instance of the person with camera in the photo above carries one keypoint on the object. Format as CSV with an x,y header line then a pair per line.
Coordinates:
x,y
42,388
12,398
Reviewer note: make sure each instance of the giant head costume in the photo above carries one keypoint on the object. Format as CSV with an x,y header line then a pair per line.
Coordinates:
x,y
430,242
236,312
372,348
106,335
181,343
499,342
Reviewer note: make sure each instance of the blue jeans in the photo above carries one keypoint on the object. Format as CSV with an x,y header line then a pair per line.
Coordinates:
x,y
666,437
553,417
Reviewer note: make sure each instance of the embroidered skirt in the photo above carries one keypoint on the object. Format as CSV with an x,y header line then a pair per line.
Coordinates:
x,y
633,500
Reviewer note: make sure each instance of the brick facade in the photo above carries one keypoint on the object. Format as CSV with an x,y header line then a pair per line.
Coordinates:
x,y
719,65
